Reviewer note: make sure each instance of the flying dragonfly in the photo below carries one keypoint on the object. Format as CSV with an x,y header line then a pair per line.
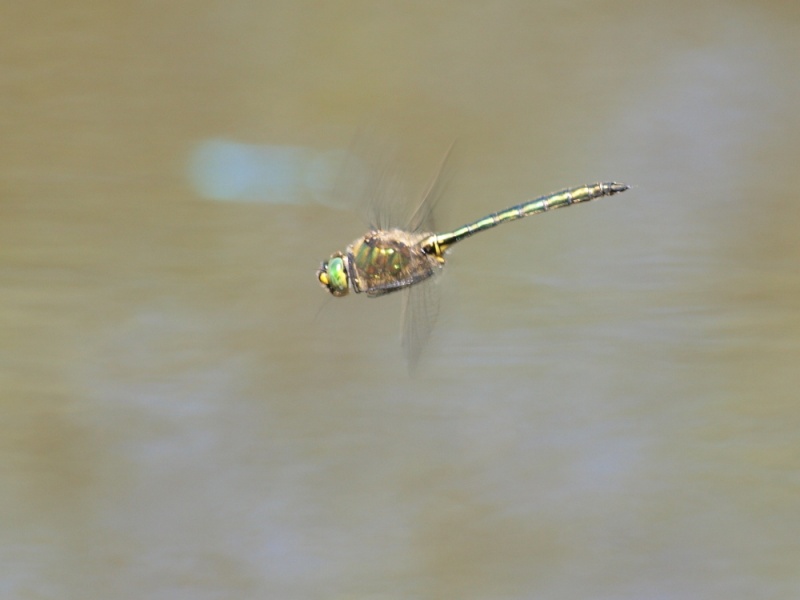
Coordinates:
x,y
383,261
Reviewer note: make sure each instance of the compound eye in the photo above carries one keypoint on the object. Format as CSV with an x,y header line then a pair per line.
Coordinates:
x,y
333,276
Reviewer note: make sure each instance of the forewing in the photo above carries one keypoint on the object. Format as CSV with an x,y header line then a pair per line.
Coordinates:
x,y
422,218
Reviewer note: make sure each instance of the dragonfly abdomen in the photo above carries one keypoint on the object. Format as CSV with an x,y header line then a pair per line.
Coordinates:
x,y
560,199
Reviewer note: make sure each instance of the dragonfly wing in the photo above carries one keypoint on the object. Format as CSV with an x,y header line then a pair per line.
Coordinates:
x,y
420,310
422,219
373,181
368,182
386,204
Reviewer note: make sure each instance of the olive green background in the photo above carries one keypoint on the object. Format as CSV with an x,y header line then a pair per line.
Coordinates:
x,y
608,406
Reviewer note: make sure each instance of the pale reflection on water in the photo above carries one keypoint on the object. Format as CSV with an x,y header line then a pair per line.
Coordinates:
x,y
607,408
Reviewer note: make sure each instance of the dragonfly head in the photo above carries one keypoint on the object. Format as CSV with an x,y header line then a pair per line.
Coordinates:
x,y
332,274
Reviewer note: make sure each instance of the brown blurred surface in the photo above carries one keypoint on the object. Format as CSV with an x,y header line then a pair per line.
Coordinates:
x,y
608,407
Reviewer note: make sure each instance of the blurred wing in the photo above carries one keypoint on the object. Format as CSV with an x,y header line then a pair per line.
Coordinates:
x,y
387,200
361,179
374,180
422,219
420,310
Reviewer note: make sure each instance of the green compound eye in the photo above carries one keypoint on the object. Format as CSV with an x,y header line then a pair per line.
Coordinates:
x,y
333,276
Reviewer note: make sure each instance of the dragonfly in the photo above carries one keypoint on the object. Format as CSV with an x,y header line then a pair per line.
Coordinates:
x,y
384,261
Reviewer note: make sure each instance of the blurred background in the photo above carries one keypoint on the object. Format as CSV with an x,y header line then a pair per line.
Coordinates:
x,y
608,406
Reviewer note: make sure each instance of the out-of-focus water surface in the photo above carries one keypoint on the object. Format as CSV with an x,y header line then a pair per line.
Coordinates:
x,y
608,407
